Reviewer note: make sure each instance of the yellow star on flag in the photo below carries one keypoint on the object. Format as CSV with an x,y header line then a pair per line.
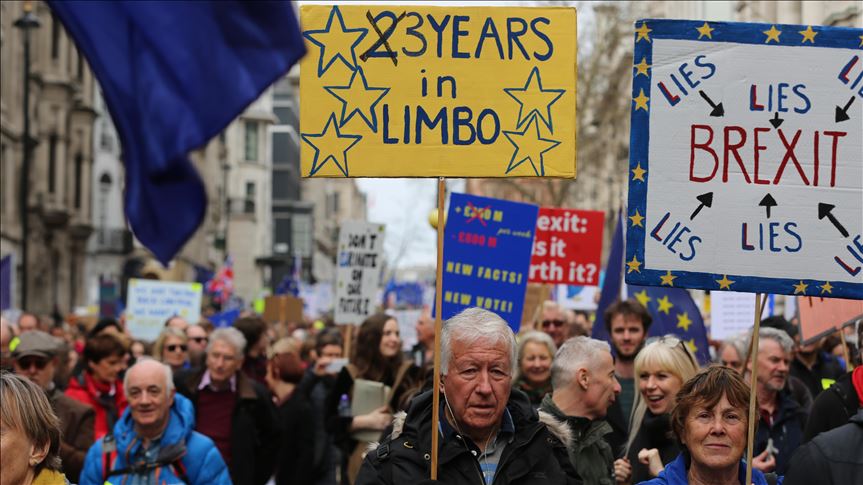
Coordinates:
x,y
665,305
636,219
725,283
808,34
683,321
668,278
800,287
643,32
690,344
633,265
861,41
772,34
640,101
638,172
705,31
826,287
642,298
642,67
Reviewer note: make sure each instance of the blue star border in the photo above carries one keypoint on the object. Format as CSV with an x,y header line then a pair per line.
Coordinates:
x,y
730,32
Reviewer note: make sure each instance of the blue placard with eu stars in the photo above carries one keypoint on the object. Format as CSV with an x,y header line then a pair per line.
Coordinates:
x,y
486,255
746,158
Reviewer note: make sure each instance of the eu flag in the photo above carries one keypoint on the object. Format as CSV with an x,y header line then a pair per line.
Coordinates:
x,y
173,75
673,310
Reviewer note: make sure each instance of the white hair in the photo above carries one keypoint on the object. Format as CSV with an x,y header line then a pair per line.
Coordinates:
x,y
576,353
738,343
774,334
474,325
536,337
169,374
231,336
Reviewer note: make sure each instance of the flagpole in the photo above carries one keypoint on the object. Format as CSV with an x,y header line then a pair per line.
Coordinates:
x,y
753,357
441,196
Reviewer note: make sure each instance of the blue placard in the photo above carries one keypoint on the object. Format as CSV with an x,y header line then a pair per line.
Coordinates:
x,y
486,255
753,178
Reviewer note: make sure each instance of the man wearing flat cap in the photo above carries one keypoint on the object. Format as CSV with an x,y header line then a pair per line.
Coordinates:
x,y
36,357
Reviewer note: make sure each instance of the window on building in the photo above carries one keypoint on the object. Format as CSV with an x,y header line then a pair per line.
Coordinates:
x,y
250,198
80,66
79,168
301,235
55,37
52,162
251,141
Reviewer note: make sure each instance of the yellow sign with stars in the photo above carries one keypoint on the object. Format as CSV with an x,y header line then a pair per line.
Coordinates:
x,y
407,91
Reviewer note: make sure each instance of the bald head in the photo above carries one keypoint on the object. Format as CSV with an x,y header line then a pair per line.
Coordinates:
x,y
144,369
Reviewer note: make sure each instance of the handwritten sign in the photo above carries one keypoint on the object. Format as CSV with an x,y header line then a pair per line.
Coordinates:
x,y
822,316
731,313
150,303
358,275
746,160
395,91
568,246
486,255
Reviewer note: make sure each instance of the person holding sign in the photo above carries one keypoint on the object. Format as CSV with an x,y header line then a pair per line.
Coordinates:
x,y
484,427
710,422
377,362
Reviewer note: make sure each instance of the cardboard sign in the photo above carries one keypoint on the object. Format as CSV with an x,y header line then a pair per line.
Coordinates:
x,y
486,255
731,313
746,160
361,247
568,246
823,316
283,308
149,303
410,91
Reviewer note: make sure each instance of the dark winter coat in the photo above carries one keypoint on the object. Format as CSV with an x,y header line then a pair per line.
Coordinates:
x,y
832,408
831,458
826,367
295,460
77,426
655,432
786,431
535,455
588,452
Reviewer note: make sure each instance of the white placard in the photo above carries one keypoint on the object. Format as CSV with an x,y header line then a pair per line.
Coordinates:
x,y
731,313
150,303
358,275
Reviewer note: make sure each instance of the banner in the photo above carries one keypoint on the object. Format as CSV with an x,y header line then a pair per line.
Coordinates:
x,y
361,248
486,255
410,91
746,159
822,316
151,302
568,247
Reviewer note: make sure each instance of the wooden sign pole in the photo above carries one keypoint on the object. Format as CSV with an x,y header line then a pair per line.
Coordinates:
x,y
753,357
849,365
438,325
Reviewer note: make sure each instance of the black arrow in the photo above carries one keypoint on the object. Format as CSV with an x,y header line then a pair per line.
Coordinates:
x,y
718,110
842,113
825,210
776,121
706,199
768,201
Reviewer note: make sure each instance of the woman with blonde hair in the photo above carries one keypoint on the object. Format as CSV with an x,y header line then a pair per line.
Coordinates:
x,y
535,354
172,348
661,368
30,437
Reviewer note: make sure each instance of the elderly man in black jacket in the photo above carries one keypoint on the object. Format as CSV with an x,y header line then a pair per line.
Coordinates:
x,y
488,432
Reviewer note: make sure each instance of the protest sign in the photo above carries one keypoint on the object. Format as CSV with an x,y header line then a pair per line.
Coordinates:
x,y
395,91
150,303
730,313
282,308
573,297
358,276
486,257
745,163
568,246
822,316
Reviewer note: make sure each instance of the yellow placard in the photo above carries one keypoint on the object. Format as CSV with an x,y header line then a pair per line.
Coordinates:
x,y
407,91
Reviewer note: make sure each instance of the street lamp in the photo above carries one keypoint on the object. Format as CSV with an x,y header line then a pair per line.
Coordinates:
x,y
25,23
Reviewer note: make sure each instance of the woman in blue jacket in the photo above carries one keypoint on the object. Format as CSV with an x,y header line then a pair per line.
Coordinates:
x,y
710,423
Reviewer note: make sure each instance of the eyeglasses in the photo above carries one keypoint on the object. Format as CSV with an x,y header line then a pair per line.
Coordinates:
x,y
28,362
556,323
175,348
199,340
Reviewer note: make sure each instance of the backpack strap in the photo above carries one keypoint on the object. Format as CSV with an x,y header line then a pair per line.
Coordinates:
x,y
109,455
400,375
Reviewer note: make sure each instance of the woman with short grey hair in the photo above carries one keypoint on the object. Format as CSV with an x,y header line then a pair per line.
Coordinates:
x,y
533,375
30,441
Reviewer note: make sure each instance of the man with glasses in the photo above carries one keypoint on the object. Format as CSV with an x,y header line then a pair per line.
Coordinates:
x,y
36,358
197,345
553,322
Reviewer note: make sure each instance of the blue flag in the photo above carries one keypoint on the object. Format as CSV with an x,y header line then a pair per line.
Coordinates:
x,y
673,310
226,318
174,75
6,270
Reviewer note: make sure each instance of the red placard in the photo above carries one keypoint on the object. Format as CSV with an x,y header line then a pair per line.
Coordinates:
x,y
568,247
821,316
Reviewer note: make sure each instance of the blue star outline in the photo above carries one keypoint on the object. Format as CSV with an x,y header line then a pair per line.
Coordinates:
x,y
514,162
335,12
534,112
315,166
373,123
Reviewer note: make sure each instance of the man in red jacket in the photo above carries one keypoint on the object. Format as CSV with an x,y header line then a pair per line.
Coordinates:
x,y
99,384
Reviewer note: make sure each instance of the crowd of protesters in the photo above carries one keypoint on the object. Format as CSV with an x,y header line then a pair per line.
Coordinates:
x,y
259,403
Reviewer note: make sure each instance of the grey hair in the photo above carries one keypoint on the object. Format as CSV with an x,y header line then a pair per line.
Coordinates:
x,y
576,353
774,334
169,374
473,325
739,344
26,408
231,336
536,337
